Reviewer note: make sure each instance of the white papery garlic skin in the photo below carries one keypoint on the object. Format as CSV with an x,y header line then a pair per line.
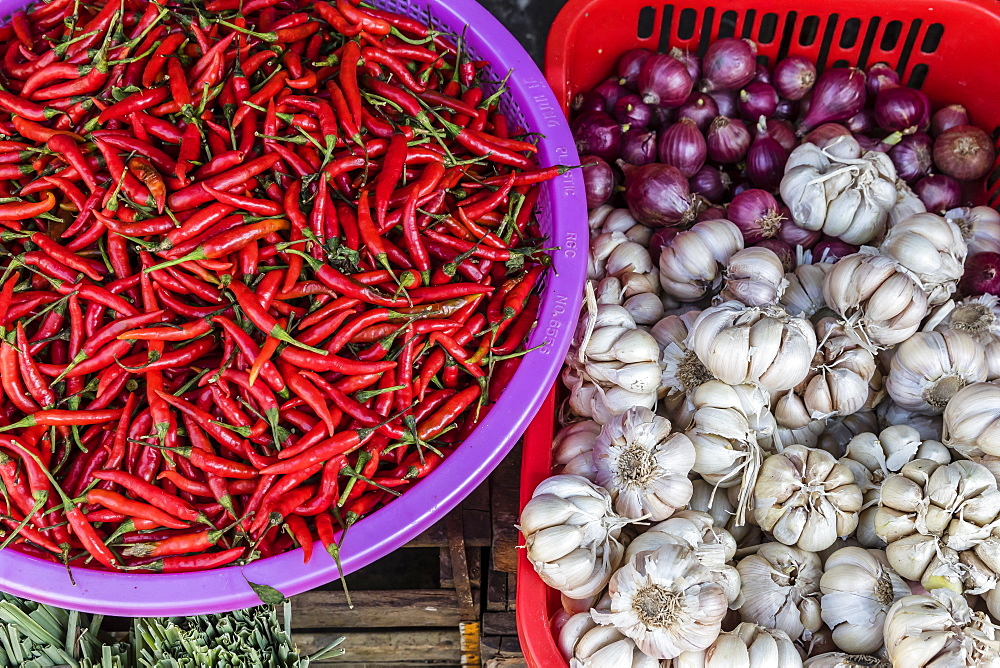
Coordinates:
x,y
972,420
713,546
858,587
940,629
730,423
805,497
755,277
930,367
606,647
691,265
840,430
643,465
746,646
683,371
740,344
844,370
933,249
938,523
666,601
846,197
573,447
571,535
890,414
781,589
876,296
980,227
907,204
803,297
979,317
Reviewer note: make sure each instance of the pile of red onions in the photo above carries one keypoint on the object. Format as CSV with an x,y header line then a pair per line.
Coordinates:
x,y
677,139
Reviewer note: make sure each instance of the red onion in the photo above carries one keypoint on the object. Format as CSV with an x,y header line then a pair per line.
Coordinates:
x,y
762,74
868,143
728,140
700,108
712,213
964,152
902,109
664,80
597,133
757,99
630,110
832,250
938,192
766,160
912,157
860,123
589,101
638,147
598,180
742,186
661,239
826,133
683,146
982,275
783,132
838,94
710,183
755,212
782,250
948,117
629,65
690,61
725,100
729,64
658,195
787,110
879,76
610,90
793,235
793,77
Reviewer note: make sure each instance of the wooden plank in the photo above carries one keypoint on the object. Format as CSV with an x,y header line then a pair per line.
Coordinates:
x,y
504,484
468,607
320,609
499,624
504,662
511,592
476,528
424,647
473,562
510,645
496,591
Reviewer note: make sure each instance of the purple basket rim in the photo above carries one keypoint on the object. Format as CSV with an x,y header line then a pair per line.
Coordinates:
x,y
132,594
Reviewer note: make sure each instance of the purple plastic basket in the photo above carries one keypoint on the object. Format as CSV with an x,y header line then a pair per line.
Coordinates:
x,y
531,104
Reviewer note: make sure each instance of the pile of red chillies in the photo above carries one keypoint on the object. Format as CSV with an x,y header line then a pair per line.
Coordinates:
x,y
264,264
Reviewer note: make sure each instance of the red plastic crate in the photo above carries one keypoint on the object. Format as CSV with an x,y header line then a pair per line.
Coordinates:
x,y
945,47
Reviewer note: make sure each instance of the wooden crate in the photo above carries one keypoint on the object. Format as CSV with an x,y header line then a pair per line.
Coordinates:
x,y
445,599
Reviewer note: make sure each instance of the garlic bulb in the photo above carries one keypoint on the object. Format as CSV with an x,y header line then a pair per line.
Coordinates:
x,y
587,399
716,503
842,660
840,430
746,646
858,587
606,647
596,218
575,628
844,370
980,226
972,420
781,589
803,297
572,449
691,265
646,308
571,535
666,601
643,466
807,435
805,497
933,249
714,547
740,344
848,198
631,264
979,317
730,423
890,414
940,629
876,296
930,367
937,521
755,277
683,371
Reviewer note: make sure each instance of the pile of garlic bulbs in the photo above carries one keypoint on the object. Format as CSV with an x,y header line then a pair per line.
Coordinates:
x,y
762,465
